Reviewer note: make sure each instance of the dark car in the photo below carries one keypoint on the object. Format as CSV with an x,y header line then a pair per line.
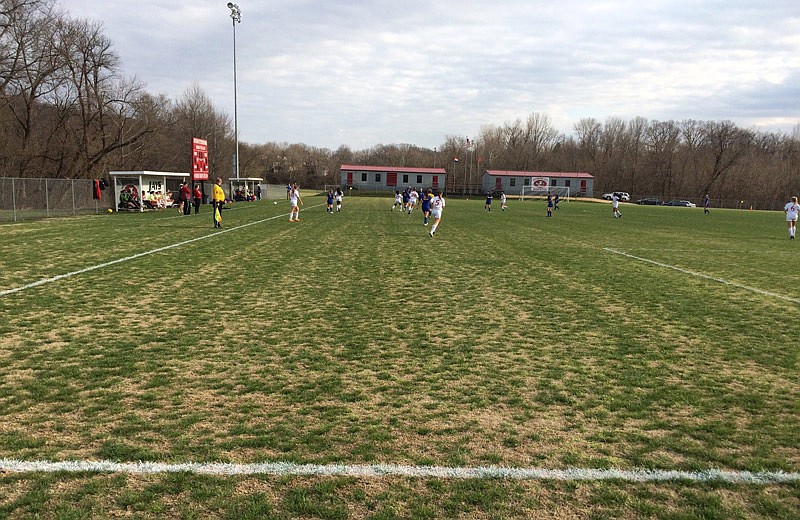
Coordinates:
x,y
649,202
682,203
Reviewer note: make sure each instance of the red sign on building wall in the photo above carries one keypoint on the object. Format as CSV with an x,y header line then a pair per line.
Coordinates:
x,y
199,159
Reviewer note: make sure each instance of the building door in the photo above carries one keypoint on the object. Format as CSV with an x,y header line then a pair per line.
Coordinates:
x,y
498,184
391,178
349,178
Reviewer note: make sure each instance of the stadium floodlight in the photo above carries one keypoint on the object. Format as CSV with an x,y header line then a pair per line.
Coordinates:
x,y
236,17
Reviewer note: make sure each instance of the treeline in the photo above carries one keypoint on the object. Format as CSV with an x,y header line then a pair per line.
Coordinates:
x,y
68,111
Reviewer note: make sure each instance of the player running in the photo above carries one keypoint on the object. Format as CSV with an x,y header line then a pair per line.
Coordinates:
x,y
426,206
437,206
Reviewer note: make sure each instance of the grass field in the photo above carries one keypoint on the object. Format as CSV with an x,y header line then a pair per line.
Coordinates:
x,y
665,340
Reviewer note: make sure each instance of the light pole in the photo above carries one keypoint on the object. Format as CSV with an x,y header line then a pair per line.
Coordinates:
x,y
236,16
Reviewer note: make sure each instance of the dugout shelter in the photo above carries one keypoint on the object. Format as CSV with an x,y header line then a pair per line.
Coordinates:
x,y
241,186
131,188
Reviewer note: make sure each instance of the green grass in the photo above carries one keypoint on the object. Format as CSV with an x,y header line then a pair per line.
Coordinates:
x,y
509,339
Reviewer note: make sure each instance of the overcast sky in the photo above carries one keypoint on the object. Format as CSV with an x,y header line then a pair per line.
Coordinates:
x,y
361,73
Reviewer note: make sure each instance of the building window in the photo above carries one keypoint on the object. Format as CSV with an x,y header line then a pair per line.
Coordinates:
x,y
377,177
555,182
419,179
363,176
405,179
512,181
527,181
566,183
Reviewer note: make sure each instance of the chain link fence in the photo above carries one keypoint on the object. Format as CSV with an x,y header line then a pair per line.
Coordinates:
x,y
29,199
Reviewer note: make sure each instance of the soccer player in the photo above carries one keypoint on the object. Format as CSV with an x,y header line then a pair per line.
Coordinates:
x,y
706,204
615,205
398,200
294,200
330,201
405,198
549,205
437,206
426,206
792,210
412,200
339,195
503,201
488,205
555,201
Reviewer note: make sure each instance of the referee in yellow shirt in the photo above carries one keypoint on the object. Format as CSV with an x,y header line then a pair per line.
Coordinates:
x,y
217,199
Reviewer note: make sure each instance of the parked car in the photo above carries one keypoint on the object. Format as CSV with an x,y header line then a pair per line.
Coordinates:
x,y
649,202
623,196
683,203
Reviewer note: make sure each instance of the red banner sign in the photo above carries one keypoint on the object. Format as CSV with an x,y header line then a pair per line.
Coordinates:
x,y
199,159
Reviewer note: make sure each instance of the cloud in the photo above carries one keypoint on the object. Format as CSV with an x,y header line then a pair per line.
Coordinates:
x,y
364,73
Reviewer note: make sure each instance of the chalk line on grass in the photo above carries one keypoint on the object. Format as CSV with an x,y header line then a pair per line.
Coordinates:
x,y
398,470
704,276
56,278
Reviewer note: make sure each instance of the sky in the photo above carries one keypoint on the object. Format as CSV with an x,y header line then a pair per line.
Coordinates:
x,y
328,73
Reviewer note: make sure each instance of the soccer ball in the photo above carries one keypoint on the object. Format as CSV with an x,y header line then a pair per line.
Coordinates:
x,y
110,210
275,202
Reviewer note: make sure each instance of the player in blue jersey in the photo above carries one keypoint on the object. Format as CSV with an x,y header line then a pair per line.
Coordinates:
x,y
426,205
549,205
330,201
488,205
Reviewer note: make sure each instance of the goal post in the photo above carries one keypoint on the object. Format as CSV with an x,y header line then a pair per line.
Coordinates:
x,y
542,191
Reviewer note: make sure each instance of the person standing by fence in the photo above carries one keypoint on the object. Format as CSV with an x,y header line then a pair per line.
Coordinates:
x,y
197,198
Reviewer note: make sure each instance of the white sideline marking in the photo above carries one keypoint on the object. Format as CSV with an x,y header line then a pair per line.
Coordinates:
x,y
704,276
56,278
396,470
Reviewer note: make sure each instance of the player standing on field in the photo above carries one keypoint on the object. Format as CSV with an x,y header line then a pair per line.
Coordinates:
x,y
792,210
706,205
330,201
488,205
294,200
503,201
615,205
437,206
339,196
398,200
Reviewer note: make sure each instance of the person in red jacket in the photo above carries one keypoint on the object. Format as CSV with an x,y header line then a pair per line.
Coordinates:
x,y
186,197
197,198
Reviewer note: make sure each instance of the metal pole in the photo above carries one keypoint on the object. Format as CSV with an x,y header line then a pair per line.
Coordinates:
x,y
46,198
236,17
13,199
73,197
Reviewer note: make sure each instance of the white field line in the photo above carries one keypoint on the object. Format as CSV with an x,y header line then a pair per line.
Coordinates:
x,y
704,276
43,281
395,470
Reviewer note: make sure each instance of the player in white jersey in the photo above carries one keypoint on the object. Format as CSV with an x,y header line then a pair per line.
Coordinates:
x,y
503,201
294,200
792,210
339,196
437,206
412,200
398,200
615,205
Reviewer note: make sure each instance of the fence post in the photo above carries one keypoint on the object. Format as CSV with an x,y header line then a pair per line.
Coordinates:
x,y
72,183
46,198
13,200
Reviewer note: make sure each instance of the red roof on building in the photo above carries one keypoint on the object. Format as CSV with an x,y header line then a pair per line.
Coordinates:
x,y
401,169
560,175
